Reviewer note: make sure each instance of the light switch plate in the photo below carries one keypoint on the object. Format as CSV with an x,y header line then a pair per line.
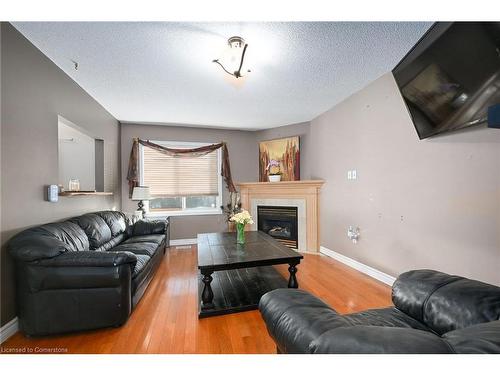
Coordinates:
x,y
354,174
349,175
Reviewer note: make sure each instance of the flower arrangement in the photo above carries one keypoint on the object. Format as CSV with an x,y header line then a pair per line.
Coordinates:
x,y
241,219
273,167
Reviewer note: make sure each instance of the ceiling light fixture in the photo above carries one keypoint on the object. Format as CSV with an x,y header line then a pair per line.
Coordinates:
x,y
232,62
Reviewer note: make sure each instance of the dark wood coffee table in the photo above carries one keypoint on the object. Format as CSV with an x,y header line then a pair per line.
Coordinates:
x,y
234,277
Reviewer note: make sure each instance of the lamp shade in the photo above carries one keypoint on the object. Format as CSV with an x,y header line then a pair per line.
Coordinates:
x,y
141,193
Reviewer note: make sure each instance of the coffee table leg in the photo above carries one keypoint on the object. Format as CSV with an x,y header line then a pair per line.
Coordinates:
x,y
207,296
292,281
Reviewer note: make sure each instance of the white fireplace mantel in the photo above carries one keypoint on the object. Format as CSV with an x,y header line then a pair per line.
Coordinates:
x,y
302,194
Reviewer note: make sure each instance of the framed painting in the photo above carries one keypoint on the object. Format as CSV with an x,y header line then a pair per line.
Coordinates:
x,y
279,157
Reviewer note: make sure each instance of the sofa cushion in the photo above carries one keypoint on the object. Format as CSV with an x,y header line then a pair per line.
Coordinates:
x,y
145,248
142,261
117,221
145,227
154,238
141,272
95,227
115,241
478,339
69,233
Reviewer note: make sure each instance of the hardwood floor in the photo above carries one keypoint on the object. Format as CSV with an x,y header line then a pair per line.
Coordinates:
x,y
166,319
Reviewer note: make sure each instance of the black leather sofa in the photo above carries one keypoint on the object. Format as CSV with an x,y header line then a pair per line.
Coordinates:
x,y
86,272
433,313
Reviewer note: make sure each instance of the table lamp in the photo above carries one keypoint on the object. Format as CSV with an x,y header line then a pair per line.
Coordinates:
x,y
141,193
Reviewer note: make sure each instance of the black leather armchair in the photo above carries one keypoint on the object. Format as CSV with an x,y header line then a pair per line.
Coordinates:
x,y
433,313
84,273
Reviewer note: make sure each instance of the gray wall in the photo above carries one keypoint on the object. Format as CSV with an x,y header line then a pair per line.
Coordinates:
x,y
34,92
243,155
419,204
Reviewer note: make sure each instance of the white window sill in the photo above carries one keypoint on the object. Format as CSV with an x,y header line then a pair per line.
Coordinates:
x,y
160,214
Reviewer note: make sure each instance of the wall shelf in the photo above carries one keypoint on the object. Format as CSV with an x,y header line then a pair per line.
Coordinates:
x,y
85,193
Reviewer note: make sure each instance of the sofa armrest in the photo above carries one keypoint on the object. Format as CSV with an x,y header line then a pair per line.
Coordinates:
x,y
143,227
80,269
294,318
378,340
26,248
90,259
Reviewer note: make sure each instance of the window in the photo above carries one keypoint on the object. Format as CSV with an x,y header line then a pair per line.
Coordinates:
x,y
182,185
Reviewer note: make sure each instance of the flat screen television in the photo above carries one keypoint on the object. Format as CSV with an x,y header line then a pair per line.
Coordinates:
x,y
451,76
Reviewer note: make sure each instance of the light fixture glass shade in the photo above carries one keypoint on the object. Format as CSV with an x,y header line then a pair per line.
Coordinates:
x,y
141,193
232,60
233,53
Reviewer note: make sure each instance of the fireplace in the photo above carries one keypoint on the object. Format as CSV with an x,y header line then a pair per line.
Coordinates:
x,y
279,222
302,194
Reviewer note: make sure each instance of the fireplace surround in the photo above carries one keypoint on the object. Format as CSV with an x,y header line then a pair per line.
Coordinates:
x,y
304,195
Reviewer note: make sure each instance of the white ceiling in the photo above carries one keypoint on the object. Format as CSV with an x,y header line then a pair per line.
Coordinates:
x,y
162,72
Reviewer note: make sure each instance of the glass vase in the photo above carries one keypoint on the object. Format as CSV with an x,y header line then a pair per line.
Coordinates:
x,y
240,233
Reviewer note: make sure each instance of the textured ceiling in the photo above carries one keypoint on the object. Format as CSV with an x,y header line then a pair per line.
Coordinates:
x,y
162,72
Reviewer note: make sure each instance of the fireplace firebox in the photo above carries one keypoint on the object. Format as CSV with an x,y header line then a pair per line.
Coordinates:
x,y
279,222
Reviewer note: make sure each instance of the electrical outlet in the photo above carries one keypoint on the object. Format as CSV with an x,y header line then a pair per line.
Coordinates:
x,y
353,233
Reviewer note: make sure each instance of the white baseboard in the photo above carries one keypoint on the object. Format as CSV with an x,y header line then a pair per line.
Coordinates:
x,y
184,241
9,329
370,271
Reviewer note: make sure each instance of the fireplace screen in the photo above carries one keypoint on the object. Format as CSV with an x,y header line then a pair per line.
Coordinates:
x,y
280,223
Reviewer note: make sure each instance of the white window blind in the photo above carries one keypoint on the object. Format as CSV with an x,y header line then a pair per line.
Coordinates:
x,y
169,176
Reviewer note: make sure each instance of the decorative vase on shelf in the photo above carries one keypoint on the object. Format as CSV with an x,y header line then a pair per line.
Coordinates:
x,y
240,233
274,178
74,184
